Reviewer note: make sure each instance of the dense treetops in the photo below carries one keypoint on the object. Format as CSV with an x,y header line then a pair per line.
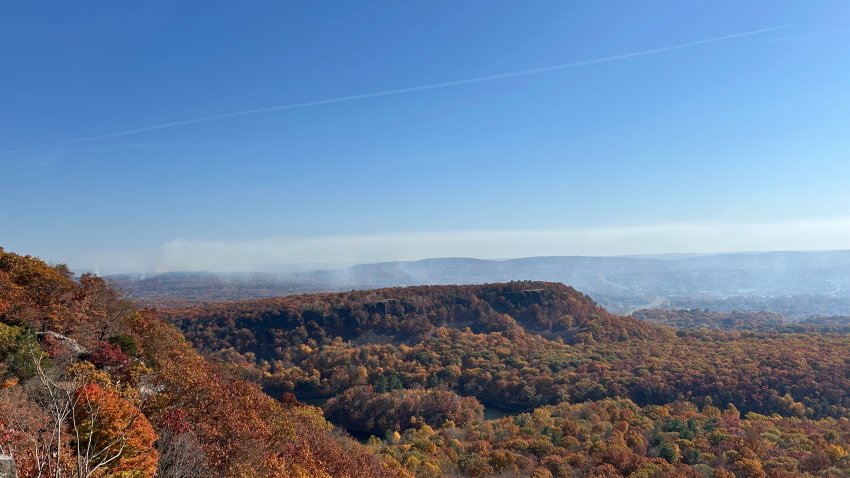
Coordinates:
x,y
365,409
516,345
617,438
89,386
741,321
551,309
596,395
600,389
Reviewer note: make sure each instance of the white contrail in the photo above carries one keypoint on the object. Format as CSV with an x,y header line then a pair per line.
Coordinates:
x,y
432,86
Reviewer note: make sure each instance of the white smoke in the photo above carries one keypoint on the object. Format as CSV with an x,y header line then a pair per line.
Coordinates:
x,y
218,255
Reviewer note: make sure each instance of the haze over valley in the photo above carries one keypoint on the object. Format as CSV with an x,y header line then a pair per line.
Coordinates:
x,y
795,284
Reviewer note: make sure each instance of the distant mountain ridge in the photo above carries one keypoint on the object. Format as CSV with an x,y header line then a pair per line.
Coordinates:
x,y
620,283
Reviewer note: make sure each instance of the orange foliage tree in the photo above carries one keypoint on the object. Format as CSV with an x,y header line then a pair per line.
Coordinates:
x,y
114,439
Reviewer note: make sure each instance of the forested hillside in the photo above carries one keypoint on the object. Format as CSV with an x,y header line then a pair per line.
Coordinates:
x,y
742,321
93,387
607,395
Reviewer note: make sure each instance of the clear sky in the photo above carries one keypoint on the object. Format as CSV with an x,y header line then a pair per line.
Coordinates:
x,y
661,126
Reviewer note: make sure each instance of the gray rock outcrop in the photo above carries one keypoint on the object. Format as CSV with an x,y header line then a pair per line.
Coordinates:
x,y
7,467
70,344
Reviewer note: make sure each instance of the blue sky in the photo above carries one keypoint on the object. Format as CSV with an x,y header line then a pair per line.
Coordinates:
x,y
735,144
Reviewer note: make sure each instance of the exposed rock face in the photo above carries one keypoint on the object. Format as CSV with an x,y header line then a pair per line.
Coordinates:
x,y
389,307
529,297
7,467
72,345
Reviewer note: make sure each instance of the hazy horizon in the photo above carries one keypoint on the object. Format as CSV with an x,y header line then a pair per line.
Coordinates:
x,y
324,252
291,267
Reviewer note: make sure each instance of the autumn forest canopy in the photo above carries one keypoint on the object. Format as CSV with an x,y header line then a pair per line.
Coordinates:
x,y
509,379
95,387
